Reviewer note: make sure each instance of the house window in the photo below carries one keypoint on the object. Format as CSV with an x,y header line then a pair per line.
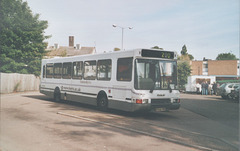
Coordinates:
x,y
205,68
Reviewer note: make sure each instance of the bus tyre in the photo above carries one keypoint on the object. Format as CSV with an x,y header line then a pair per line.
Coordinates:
x,y
57,95
102,102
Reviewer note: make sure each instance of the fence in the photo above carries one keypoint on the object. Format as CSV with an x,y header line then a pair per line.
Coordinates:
x,y
14,82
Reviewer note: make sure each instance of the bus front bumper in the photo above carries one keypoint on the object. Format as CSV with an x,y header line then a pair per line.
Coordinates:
x,y
150,107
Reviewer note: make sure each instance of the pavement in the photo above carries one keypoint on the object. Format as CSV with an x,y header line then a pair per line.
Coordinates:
x,y
30,122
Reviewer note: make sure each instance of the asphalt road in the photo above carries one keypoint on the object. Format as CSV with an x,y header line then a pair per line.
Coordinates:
x,y
32,121
225,113
213,107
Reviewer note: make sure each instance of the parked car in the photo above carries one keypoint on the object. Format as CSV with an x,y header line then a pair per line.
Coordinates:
x,y
235,93
226,88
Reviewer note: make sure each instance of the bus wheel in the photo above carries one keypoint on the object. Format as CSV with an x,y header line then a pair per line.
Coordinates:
x,y
57,95
102,102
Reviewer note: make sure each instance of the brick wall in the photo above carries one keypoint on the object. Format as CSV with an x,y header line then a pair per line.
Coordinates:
x,y
222,67
197,67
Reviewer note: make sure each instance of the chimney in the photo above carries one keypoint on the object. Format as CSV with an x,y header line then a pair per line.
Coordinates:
x,y
55,46
71,41
78,46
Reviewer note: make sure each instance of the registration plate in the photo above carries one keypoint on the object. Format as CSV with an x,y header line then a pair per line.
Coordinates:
x,y
162,109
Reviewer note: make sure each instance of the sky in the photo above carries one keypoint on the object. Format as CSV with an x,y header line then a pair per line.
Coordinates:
x,y
206,27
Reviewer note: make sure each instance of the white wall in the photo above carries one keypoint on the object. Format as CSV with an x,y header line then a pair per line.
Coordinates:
x,y
14,82
191,85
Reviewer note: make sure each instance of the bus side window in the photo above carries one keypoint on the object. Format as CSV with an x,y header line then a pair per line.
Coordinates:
x,y
90,70
44,71
67,70
77,70
104,69
57,70
124,69
49,71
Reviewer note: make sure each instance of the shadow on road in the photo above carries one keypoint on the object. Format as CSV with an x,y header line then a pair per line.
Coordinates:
x,y
140,121
145,115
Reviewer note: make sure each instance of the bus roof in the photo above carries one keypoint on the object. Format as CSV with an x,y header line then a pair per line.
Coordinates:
x,y
141,52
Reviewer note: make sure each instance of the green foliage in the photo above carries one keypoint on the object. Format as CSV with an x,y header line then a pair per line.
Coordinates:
x,y
184,58
185,55
184,70
184,50
226,56
156,47
190,56
116,49
22,38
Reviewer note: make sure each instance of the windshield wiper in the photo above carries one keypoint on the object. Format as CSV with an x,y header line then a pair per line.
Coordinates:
x,y
154,83
170,89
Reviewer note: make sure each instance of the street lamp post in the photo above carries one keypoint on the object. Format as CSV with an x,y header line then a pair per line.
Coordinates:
x,y
114,25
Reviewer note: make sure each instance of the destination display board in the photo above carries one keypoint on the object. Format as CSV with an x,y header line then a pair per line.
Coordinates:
x,y
157,54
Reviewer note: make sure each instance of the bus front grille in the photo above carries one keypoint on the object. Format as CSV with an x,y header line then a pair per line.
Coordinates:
x,y
156,102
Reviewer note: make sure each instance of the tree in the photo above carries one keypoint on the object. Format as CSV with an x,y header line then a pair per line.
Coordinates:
x,y
184,50
22,37
156,47
116,49
226,56
190,56
185,55
184,70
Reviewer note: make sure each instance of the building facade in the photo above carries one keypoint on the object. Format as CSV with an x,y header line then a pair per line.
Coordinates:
x,y
212,71
222,69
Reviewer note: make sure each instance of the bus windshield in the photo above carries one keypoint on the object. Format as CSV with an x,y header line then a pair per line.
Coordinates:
x,y
155,74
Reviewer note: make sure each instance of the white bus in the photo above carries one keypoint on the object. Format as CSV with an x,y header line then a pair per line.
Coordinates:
x,y
136,80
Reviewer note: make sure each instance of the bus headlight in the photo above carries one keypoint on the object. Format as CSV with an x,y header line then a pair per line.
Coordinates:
x,y
145,101
175,100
